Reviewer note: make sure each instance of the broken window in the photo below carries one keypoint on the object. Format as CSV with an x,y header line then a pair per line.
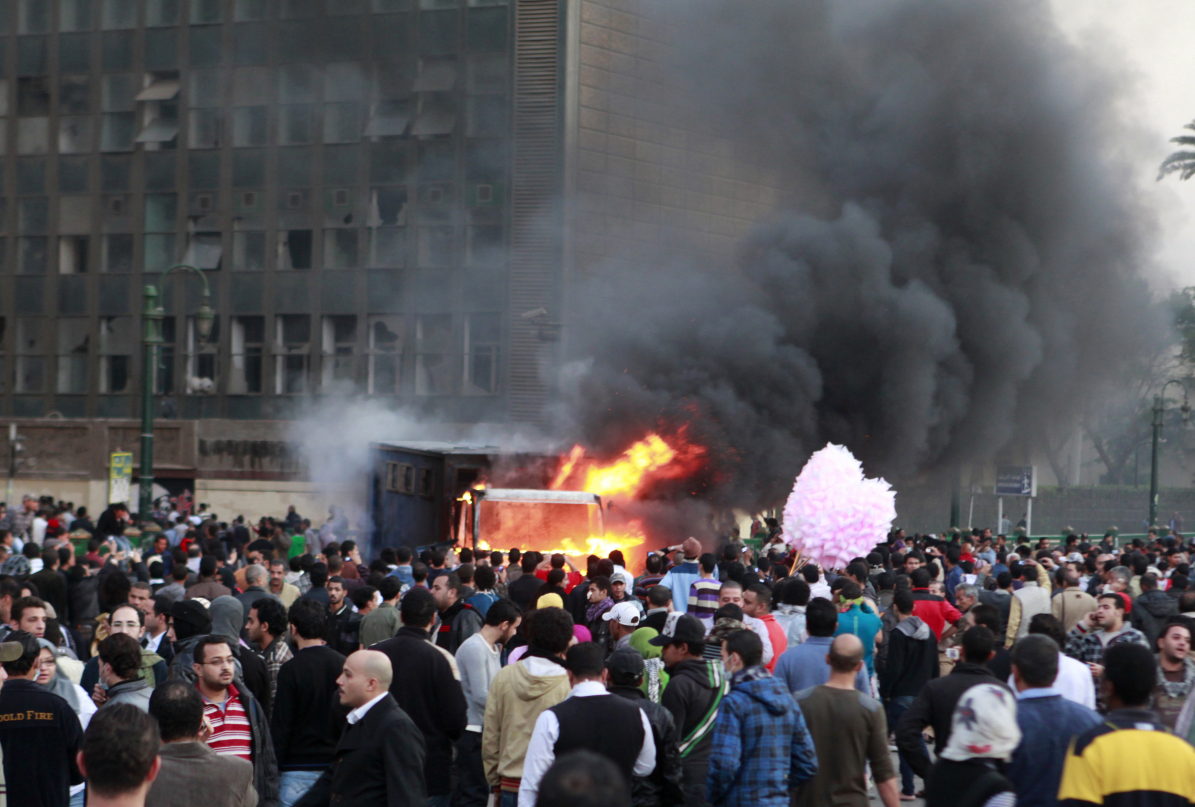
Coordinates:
x,y
30,352
385,354
433,355
292,345
74,335
117,347
248,336
204,251
74,135
72,254
248,251
294,249
339,343
340,249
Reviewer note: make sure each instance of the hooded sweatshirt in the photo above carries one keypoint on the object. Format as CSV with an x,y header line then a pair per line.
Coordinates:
x,y
518,694
1150,612
912,659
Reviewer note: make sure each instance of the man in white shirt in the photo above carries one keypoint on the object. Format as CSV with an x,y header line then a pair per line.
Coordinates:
x,y
1074,681
589,719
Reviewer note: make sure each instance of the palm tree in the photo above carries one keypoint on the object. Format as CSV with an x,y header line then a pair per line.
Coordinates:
x,y
1181,161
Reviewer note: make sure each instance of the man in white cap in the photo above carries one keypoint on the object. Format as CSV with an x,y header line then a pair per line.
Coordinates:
x,y
624,620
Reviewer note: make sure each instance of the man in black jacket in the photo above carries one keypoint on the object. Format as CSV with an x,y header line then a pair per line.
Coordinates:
x,y
912,663
935,705
379,762
307,720
694,691
662,787
39,732
425,688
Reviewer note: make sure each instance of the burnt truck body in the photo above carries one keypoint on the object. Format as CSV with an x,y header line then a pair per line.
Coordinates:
x,y
426,494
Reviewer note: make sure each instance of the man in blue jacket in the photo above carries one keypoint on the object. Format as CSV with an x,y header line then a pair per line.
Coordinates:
x,y
1048,722
759,725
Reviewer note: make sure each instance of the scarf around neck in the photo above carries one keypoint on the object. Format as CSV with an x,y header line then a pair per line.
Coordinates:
x,y
594,611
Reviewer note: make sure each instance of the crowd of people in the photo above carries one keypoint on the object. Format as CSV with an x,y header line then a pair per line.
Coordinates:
x,y
217,665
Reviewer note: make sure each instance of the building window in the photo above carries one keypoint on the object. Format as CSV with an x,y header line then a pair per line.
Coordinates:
x,y
203,131
385,354
30,355
482,341
206,11
248,10
433,355
342,122
204,251
33,17
340,249
31,255
117,347
74,135
201,368
339,347
74,334
119,14
250,126
33,96
74,95
294,249
248,251
33,135
161,251
74,15
296,125
161,12
435,246
248,337
72,254
292,350
116,253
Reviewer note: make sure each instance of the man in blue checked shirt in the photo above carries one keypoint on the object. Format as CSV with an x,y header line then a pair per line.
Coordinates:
x,y
761,749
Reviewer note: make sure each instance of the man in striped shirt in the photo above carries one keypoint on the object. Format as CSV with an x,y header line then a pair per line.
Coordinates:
x,y
238,722
223,706
703,593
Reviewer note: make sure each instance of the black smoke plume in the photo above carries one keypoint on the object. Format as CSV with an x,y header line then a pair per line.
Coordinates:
x,y
961,260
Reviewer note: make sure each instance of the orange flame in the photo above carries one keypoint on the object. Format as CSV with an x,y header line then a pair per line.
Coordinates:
x,y
648,458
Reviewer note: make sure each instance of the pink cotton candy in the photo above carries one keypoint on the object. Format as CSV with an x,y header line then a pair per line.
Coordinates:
x,y
835,513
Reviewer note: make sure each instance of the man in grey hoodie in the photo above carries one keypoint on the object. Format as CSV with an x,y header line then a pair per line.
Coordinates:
x,y
912,661
120,672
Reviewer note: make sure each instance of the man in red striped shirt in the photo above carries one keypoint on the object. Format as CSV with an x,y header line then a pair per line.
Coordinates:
x,y
238,721
215,665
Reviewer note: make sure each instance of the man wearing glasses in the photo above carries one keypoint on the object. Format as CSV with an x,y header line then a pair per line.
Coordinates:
x,y
238,722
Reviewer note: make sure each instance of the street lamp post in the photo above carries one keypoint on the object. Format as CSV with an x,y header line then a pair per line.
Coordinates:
x,y
151,339
1158,410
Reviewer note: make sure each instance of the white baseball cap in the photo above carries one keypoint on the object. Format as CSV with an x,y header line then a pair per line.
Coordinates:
x,y
625,612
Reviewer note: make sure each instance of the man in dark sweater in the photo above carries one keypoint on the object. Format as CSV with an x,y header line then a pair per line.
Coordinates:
x,y
307,717
912,663
935,705
426,689
523,589
590,719
39,732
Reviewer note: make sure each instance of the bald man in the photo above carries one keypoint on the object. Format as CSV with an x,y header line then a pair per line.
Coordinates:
x,y
379,761
849,728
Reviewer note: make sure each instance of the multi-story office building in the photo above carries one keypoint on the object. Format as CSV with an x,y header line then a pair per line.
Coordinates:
x,y
383,194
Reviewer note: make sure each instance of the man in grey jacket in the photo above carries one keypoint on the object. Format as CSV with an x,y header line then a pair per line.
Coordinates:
x,y
478,661
192,775
120,672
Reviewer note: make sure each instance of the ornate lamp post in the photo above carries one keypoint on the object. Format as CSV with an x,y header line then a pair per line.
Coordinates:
x,y
151,338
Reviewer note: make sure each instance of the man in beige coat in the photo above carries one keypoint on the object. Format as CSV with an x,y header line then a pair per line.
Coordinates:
x,y
192,775
518,694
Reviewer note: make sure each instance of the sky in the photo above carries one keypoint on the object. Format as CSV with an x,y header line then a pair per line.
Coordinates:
x,y
1154,38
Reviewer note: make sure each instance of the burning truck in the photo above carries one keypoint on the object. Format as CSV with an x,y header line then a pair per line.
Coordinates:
x,y
486,497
